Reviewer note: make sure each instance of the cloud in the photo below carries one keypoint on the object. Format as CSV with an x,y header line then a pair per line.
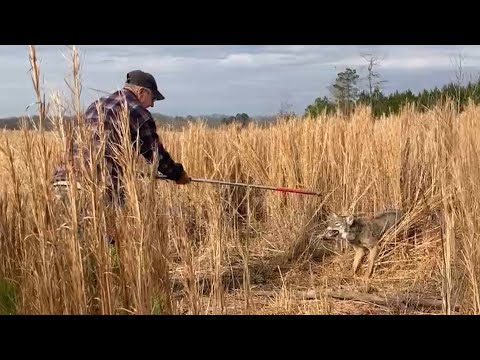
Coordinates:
x,y
412,58
238,60
201,79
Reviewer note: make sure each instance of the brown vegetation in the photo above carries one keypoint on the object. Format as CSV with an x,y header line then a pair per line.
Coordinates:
x,y
202,249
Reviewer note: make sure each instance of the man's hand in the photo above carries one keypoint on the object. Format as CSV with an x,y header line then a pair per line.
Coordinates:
x,y
183,179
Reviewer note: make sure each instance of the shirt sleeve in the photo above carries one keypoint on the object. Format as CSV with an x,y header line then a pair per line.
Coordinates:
x,y
91,114
149,143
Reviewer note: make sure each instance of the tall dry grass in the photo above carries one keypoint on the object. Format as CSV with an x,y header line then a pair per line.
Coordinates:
x,y
202,249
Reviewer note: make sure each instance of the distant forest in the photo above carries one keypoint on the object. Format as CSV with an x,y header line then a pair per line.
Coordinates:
x,y
173,122
346,94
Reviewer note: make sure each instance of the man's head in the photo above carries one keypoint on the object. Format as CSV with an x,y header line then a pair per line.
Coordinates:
x,y
148,91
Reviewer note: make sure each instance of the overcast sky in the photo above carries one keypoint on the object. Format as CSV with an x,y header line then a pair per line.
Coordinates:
x,y
203,79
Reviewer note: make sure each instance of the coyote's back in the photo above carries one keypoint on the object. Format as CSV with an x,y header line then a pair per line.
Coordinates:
x,y
385,220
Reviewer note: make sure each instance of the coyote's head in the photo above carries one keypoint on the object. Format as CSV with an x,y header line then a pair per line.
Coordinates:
x,y
339,227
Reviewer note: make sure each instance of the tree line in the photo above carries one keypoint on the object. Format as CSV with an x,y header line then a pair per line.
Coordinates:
x,y
346,94
162,120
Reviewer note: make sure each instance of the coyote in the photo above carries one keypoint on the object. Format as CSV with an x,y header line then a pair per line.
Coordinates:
x,y
362,233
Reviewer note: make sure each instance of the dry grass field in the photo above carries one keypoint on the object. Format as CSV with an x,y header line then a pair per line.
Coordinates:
x,y
211,249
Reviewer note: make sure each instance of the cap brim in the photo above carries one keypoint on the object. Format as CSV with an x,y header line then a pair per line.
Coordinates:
x,y
158,96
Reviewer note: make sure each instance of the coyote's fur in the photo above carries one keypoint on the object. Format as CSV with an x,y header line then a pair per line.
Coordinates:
x,y
363,233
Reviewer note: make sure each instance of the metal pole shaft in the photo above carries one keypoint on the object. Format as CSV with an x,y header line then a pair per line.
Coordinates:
x,y
280,189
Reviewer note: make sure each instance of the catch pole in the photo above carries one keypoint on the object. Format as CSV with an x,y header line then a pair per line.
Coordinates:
x,y
273,188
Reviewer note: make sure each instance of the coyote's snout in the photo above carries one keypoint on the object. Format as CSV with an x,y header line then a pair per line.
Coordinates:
x,y
362,233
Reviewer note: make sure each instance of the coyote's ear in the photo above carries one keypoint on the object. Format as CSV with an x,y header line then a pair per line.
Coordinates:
x,y
349,220
334,216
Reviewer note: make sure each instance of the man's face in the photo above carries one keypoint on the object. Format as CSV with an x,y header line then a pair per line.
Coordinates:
x,y
146,98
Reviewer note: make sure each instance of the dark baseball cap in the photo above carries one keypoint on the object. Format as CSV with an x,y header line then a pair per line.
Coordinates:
x,y
141,78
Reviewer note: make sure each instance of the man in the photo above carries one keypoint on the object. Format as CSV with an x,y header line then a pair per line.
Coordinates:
x,y
138,94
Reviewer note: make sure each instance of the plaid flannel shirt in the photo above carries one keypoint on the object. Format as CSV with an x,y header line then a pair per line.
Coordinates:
x,y
142,129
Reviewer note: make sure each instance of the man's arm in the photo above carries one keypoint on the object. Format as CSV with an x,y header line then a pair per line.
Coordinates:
x,y
150,144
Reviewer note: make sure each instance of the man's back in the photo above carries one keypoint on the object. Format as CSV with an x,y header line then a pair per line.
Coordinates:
x,y
117,107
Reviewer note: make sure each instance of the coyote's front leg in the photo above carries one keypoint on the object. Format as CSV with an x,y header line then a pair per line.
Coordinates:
x,y
359,252
372,257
